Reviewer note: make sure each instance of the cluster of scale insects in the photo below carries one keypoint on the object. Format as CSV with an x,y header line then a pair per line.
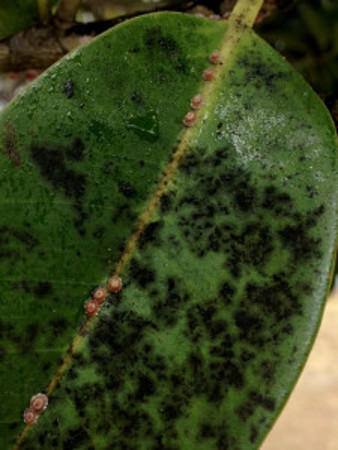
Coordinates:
x,y
39,402
208,75
196,102
92,306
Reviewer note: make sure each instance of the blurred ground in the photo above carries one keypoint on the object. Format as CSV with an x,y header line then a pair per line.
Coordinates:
x,y
309,420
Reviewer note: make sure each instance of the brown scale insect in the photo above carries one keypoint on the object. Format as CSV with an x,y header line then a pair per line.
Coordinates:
x,y
215,57
208,75
91,307
30,417
39,403
115,284
196,102
190,119
100,294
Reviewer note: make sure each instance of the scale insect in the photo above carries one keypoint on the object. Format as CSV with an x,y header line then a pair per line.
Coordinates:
x,y
215,57
100,294
196,102
39,403
30,417
208,75
91,307
190,119
115,284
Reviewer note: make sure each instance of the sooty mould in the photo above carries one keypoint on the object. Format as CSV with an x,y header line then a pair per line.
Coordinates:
x,y
127,189
68,88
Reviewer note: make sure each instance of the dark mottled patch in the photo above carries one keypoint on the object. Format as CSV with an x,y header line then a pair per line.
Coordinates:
x,y
31,332
98,232
260,73
26,344
3,353
146,388
244,196
267,371
207,430
58,324
253,401
247,356
141,273
53,167
274,297
123,212
150,234
167,307
165,202
155,41
137,99
75,438
68,88
233,188
109,167
46,366
228,372
296,236
77,151
278,202
250,326
227,292
25,238
10,145
127,189
154,38
253,434
43,288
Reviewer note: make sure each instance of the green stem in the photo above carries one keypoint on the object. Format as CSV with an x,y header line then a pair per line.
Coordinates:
x,y
67,10
245,12
44,11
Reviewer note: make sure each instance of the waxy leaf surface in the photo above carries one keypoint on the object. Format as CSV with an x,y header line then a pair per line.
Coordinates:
x,y
223,289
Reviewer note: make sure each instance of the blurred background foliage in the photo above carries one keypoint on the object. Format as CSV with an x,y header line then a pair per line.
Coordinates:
x,y
307,35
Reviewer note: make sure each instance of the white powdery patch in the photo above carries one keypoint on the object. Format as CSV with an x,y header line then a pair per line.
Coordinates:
x,y
263,126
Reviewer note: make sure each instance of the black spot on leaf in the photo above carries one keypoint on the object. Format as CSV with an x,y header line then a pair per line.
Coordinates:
x,y
68,88
127,189
54,168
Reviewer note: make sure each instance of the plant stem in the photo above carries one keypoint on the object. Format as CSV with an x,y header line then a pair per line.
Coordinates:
x,y
44,11
66,12
245,12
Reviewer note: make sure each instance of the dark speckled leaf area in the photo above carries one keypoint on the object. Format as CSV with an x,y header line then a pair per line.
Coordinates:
x,y
223,292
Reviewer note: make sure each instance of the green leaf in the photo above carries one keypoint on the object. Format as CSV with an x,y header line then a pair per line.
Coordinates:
x,y
223,234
